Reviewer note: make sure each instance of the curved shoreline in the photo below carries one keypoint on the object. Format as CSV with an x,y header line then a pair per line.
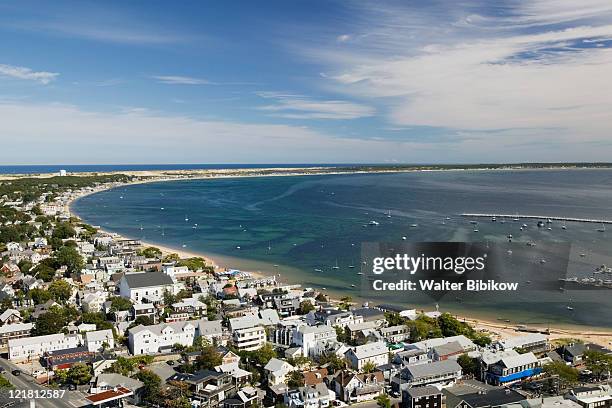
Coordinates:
x,y
602,336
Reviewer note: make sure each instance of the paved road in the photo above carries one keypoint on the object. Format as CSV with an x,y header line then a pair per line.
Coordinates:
x,y
71,399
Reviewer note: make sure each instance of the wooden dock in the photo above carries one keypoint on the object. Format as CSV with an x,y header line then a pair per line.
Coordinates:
x,y
536,217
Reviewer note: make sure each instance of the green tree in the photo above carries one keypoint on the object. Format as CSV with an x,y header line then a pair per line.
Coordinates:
x,y
305,307
383,401
152,384
567,375
123,366
60,290
334,363
97,318
69,257
599,363
39,296
209,358
295,379
369,367
51,322
63,230
345,302
5,384
468,364
44,272
119,303
151,252
79,373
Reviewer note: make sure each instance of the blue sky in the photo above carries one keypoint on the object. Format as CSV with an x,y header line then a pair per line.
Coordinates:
x,y
305,81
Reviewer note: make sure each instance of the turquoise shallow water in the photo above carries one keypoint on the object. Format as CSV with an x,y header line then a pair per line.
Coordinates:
x,y
309,223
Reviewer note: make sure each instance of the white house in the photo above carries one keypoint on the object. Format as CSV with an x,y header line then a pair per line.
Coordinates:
x,y
376,353
33,347
95,340
249,338
136,286
307,337
277,371
152,339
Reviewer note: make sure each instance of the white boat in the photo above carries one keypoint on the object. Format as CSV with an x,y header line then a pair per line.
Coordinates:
x,y
569,308
186,218
359,273
352,286
524,225
414,225
563,227
318,270
542,261
475,229
238,247
184,246
336,265
389,214
373,223
447,218
602,229
403,238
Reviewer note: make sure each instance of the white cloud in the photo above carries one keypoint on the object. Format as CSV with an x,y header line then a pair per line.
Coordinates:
x,y
180,80
27,74
343,38
291,106
488,74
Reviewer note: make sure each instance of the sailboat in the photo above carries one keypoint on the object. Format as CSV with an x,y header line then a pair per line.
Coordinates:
x,y
186,218
602,229
389,214
336,266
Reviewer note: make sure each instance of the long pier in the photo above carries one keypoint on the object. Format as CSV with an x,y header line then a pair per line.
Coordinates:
x,y
536,217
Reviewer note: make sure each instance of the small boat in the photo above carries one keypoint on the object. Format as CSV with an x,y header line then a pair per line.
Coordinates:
x,y
475,229
352,286
389,214
324,288
582,255
373,223
521,228
563,227
493,219
403,238
602,229
509,252
528,281
351,266
509,236
447,218
549,229
318,270
162,208
194,227
542,261
359,273
238,247
364,262
414,225
336,266
184,246
569,308
186,219
121,197
276,266
524,225
474,222
141,227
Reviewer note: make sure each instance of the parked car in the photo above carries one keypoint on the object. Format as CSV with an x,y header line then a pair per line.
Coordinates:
x,y
170,362
16,372
2,370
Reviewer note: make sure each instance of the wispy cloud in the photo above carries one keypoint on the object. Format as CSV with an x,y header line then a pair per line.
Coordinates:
x,y
476,67
291,106
180,80
24,73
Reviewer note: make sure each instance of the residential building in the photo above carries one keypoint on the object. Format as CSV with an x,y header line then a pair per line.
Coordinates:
x,y
156,338
534,342
307,337
438,373
354,388
277,371
99,340
25,348
422,397
512,368
375,353
14,331
318,396
137,286
250,338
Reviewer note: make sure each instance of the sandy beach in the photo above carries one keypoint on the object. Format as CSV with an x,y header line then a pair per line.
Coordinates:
x,y
496,329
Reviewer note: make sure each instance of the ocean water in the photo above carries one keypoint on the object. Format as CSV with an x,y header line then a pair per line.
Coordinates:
x,y
303,226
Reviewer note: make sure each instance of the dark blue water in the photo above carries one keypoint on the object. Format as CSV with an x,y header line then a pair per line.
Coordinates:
x,y
308,223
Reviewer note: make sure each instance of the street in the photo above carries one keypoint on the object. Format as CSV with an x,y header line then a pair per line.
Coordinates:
x,y
71,399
